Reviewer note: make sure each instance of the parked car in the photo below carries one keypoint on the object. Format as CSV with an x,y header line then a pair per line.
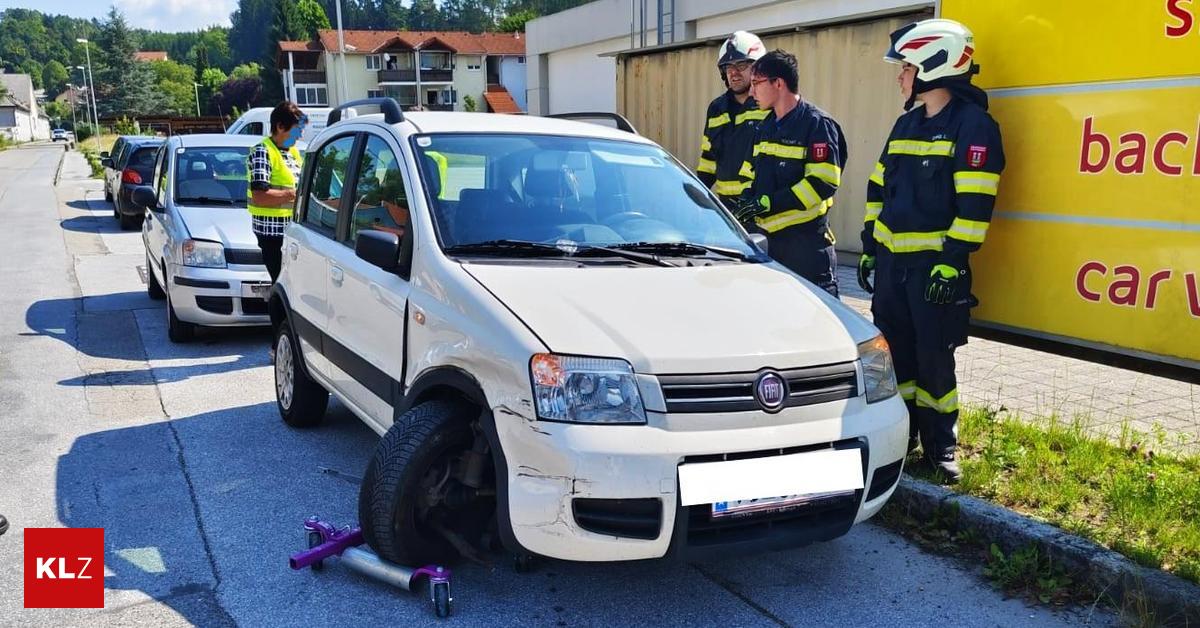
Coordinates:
x,y
201,256
257,121
129,166
59,135
565,339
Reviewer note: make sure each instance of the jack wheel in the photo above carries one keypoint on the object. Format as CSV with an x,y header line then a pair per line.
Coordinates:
x,y
314,539
523,563
441,600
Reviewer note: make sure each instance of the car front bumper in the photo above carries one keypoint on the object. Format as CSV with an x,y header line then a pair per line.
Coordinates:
x,y
218,297
611,492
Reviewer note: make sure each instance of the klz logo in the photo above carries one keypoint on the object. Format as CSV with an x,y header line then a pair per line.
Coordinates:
x,y
64,567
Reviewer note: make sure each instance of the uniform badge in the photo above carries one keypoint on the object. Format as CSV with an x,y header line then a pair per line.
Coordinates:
x,y
820,151
976,156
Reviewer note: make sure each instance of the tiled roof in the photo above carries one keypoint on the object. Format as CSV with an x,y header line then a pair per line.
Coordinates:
x,y
150,55
365,42
300,46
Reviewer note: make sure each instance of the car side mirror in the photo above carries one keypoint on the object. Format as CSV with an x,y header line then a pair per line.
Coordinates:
x,y
106,162
103,154
760,241
144,196
380,248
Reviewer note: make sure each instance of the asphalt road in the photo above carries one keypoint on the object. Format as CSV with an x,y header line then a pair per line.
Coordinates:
x,y
178,453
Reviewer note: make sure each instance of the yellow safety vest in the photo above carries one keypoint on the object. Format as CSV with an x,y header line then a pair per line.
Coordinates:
x,y
443,165
281,179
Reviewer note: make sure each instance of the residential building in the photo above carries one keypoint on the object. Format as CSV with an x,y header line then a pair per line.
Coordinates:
x,y
21,119
150,55
436,70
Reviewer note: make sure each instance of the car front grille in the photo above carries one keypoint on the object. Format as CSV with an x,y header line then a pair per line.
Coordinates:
x,y
216,305
245,257
734,392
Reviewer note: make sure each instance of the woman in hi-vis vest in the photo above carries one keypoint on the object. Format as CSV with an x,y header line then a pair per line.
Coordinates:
x,y
274,171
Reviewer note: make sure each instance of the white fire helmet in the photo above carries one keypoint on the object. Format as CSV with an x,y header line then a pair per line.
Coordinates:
x,y
939,48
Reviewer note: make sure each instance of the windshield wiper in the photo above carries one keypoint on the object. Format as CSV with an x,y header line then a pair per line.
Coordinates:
x,y
524,248
206,200
683,249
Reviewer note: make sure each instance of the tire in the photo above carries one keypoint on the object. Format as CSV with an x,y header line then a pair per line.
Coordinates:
x,y
418,443
441,600
129,223
153,288
300,400
314,539
178,331
108,197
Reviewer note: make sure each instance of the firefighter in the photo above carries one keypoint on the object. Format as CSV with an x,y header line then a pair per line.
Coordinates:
x,y
795,167
731,119
929,204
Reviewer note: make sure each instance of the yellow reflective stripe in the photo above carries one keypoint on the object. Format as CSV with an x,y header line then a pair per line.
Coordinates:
x,y
945,405
975,181
746,171
791,217
829,173
877,176
873,210
782,151
807,195
269,212
707,165
717,121
730,188
705,144
908,242
908,389
968,230
940,148
753,114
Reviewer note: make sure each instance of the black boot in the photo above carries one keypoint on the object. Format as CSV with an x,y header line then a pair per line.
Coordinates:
x,y
946,465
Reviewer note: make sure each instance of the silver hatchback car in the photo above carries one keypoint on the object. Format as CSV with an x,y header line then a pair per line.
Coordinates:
x,y
201,255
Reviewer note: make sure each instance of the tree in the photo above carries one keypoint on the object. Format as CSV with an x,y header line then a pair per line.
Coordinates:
x,y
210,83
515,22
123,85
424,15
239,93
246,71
55,77
310,17
468,15
249,35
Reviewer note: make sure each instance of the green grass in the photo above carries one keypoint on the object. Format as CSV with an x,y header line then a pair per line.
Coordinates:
x,y
93,159
1122,494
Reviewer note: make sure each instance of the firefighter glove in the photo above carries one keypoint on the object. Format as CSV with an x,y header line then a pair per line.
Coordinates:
x,y
866,264
943,284
745,209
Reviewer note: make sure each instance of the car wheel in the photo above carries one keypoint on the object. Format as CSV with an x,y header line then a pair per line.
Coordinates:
x,y
129,223
301,401
109,198
411,505
177,330
153,288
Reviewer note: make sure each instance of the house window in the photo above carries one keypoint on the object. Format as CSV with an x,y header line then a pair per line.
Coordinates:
x,y
373,62
374,93
311,96
520,59
474,67
449,96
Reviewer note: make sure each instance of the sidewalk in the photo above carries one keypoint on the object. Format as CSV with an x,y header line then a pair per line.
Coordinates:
x,y
1035,383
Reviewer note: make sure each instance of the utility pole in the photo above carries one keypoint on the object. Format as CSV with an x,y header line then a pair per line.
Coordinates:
x,y
197,89
87,50
342,50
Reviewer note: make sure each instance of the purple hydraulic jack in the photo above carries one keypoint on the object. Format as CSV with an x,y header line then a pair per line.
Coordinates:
x,y
325,541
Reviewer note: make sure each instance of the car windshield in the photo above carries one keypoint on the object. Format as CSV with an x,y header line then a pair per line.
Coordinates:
x,y
211,176
573,193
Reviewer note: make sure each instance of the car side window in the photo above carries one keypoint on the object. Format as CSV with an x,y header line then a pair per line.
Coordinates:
x,y
160,173
252,128
380,199
325,189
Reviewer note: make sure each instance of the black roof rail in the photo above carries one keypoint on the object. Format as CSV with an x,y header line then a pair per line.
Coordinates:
x,y
387,106
623,124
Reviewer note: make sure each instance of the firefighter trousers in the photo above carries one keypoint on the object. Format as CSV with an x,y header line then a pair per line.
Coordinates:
x,y
922,337
808,253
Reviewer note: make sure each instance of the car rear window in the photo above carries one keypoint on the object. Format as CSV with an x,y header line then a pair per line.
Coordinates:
x,y
143,158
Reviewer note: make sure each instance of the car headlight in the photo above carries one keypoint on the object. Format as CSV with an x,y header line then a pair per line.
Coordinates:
x,y
203,254
585,390
879,378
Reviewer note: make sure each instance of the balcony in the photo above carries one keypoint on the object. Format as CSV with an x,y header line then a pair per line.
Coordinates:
x,y
397,76
438,107
436,76
308,76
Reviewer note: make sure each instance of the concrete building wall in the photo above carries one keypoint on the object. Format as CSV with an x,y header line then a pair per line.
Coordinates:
x,y
513,78
582,80
470,82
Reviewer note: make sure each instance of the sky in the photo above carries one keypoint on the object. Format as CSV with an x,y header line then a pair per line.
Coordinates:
x,y
161,15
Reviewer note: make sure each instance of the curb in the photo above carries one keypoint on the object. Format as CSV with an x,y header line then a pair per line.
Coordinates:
x,y
1173,600
58,171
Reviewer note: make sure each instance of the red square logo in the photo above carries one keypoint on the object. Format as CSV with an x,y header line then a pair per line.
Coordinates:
x,y
64,567
820,151
976,156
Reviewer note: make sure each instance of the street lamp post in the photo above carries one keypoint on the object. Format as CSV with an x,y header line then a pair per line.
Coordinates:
x,y
87,107
74,121
197,89
87,50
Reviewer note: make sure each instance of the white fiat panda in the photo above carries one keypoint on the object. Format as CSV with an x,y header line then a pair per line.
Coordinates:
x,y
569,347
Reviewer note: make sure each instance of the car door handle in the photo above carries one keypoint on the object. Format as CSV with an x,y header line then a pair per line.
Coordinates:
x,y
293,250
336,275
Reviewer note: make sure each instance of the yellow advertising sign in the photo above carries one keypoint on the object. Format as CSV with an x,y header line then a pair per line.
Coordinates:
x,y
1096,234
1024,43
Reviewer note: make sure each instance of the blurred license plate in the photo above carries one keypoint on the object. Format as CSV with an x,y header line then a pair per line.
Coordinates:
x,y
256,290
768,504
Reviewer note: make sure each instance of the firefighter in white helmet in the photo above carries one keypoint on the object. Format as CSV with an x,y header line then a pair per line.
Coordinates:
x,y
929,205
732,119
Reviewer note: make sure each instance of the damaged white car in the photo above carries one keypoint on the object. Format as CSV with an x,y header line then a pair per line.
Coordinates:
x,y
569,348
